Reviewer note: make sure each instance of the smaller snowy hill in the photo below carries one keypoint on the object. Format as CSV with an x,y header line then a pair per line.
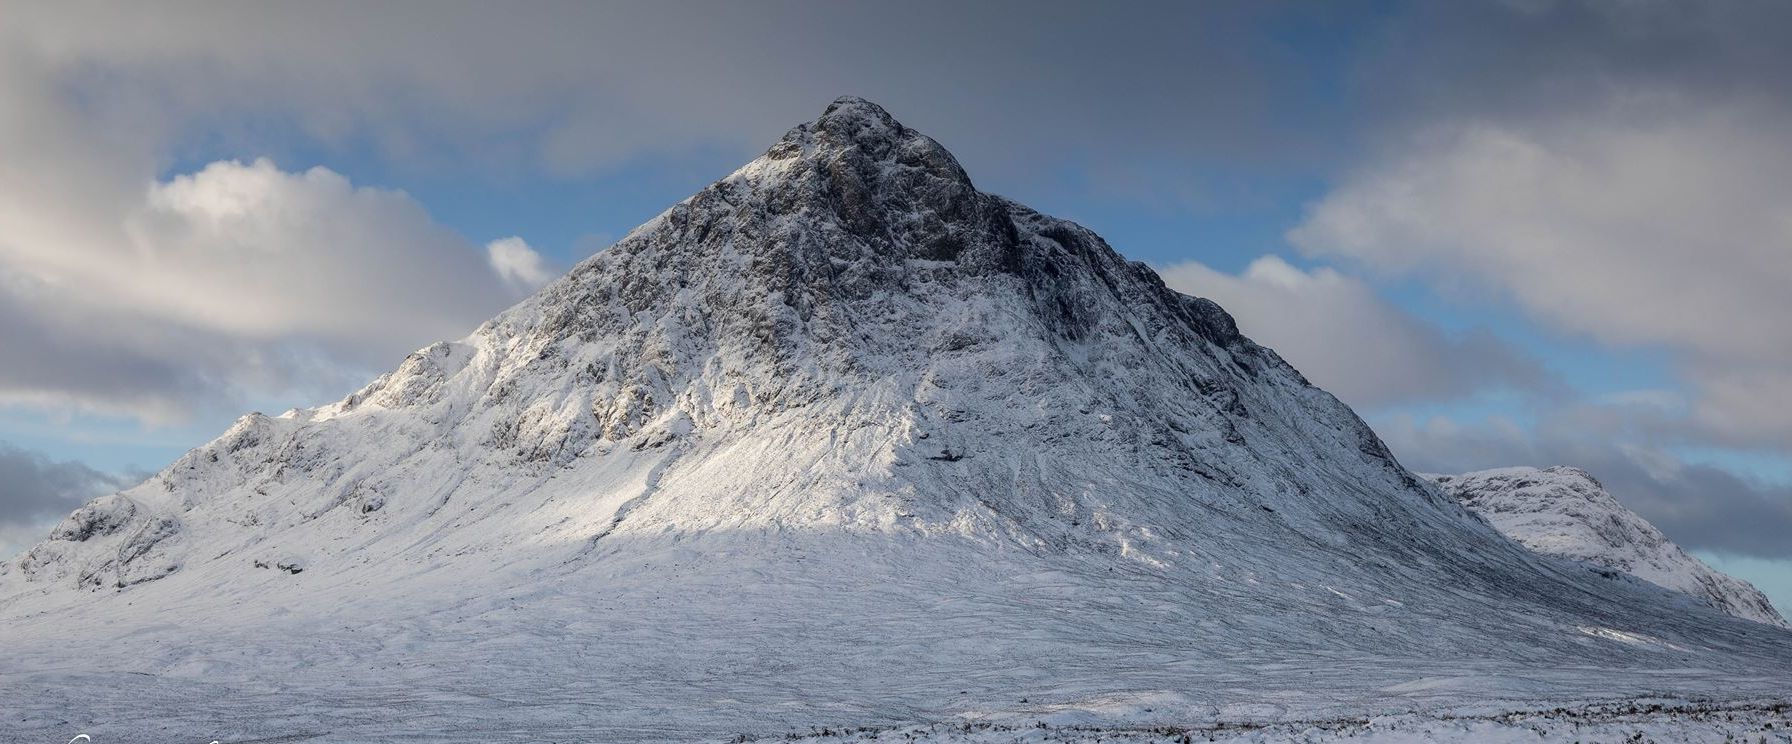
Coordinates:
x,y
1564,512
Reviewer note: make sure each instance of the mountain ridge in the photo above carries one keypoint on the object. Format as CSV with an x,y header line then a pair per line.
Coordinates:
x,y
837,407
798,288
1567,513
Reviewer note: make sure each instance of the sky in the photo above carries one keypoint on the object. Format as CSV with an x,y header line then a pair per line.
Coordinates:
x,y
1508,233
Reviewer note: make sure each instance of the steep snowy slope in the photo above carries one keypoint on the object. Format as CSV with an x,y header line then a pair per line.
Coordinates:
x,y
839,439
1564,512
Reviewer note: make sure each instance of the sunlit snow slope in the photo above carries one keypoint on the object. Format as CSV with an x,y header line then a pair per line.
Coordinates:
x,y
1564,512
839,439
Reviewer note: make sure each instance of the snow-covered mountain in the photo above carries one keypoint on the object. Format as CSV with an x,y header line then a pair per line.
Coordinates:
x,y
837,440
1564,512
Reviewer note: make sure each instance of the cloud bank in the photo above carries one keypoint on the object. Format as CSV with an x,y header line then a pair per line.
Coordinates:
x,y
1614,171
1651,232
584,87
1339,333
37,487
145,290
1699,506
35,491
235,279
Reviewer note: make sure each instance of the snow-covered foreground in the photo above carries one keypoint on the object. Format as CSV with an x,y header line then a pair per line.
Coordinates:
x,y
773,637
839,441
1657,722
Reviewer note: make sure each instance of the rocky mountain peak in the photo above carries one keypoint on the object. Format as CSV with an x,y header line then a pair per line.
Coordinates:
x,y
886,187
854,120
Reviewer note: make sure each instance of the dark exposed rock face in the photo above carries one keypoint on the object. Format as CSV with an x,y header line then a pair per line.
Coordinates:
x,y
809,266
102,516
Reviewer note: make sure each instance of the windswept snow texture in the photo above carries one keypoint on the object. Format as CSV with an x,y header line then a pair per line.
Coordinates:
x,y
1564,512
839,440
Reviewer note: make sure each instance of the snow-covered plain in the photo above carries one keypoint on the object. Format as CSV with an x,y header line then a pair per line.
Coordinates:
x,y
838,441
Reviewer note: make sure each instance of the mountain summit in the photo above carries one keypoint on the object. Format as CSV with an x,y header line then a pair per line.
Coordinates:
x,y
838,439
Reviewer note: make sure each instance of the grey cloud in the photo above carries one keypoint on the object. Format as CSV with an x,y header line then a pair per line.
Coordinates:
x,y
238,279
1528,58
574,87
1741,403
1614,169
1673,243
1348,340
1704,507
1699,506
243,277
49,360
34,487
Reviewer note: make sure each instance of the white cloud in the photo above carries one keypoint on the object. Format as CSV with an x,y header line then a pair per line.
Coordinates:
x,y
1636,225
123,293
251,250
147,297
518,264
1338,332
237,279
